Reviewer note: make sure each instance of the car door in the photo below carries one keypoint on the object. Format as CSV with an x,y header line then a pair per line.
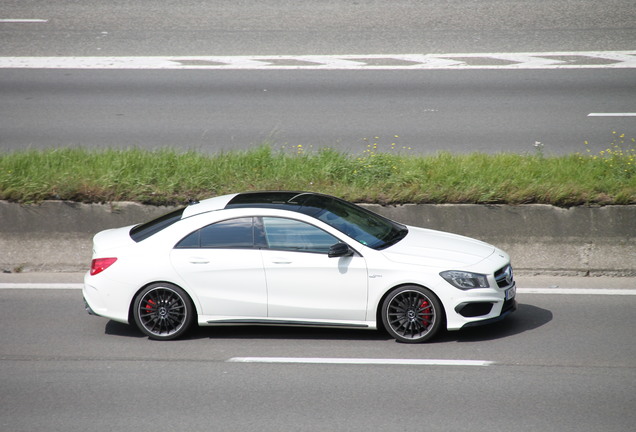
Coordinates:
x,y
221,264
303,282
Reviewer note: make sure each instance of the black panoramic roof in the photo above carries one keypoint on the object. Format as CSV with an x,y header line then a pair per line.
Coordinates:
x,y
276,198
309,203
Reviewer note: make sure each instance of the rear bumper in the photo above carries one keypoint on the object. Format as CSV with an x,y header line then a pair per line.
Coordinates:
x,y
102,297
88,308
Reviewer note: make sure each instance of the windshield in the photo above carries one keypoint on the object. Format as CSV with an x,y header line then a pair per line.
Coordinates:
x,y
364,226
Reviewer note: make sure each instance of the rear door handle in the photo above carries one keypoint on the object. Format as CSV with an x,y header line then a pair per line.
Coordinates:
x,y
197,260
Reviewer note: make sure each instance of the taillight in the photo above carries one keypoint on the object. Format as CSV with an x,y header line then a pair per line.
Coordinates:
x,y
98,265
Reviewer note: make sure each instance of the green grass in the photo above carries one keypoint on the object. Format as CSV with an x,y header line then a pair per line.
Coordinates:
x,y
390,177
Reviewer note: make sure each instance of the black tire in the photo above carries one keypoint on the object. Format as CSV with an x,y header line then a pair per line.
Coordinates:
x,y
163,311
412,314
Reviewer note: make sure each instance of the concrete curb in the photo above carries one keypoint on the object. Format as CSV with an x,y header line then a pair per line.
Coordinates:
x,y
55,236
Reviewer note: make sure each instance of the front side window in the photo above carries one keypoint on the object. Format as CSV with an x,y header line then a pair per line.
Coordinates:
x,y
293,235
233,233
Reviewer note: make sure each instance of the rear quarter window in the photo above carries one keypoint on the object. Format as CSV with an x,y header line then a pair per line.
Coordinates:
x,y
141,232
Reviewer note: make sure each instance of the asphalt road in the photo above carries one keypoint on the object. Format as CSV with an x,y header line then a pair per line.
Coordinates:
x,y
214,110
216,27
561,362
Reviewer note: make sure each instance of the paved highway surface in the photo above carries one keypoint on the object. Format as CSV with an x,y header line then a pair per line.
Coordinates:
x,y
560,363
212,110
222,27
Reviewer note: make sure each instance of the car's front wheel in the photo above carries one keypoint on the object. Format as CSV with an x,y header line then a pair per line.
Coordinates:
x,y
163,311
412,314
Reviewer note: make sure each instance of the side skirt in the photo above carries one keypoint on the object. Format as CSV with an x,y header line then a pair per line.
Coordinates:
x,y
283,323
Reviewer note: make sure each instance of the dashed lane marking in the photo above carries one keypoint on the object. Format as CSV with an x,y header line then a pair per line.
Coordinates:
x,y
611,115
22,20
360,361
540,60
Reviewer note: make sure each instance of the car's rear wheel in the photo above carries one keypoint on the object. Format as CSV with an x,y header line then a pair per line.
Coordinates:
x,y
163,311
412,314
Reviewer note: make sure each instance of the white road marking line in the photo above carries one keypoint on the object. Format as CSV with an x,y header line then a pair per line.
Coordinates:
x,y
578,291
360,361
53,286
540,60
611,115
23,20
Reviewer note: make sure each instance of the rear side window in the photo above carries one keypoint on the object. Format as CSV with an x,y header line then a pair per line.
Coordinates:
x,y
143,231
233,233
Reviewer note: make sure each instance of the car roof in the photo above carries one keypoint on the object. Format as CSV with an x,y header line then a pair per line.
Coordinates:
x,y
289,200
207,205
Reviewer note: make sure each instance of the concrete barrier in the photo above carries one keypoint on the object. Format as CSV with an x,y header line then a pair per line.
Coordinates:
x,y
541,239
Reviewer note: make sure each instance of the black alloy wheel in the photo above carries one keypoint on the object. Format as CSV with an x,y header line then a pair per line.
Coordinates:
x,y
163,311
412,314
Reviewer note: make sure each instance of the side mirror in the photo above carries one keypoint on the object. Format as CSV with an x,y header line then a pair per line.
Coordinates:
x,y
340,250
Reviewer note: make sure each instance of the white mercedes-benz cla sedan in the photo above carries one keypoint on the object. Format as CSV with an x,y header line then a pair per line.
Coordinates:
x,y
296,259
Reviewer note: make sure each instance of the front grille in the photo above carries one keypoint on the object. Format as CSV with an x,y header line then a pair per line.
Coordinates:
x,y
504,277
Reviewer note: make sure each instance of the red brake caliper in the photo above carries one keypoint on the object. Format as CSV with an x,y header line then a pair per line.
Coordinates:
x,y
425,306
149,305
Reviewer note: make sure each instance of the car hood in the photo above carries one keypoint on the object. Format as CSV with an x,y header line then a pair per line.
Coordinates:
x,y
438,249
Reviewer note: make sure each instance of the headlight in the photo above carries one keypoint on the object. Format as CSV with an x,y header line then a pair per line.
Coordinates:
x,y
465,280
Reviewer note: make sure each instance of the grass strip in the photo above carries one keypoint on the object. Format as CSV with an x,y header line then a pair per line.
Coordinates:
x,y
166,176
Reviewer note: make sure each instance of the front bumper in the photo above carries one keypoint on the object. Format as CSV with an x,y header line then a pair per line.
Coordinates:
x,y
509,307
478,307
